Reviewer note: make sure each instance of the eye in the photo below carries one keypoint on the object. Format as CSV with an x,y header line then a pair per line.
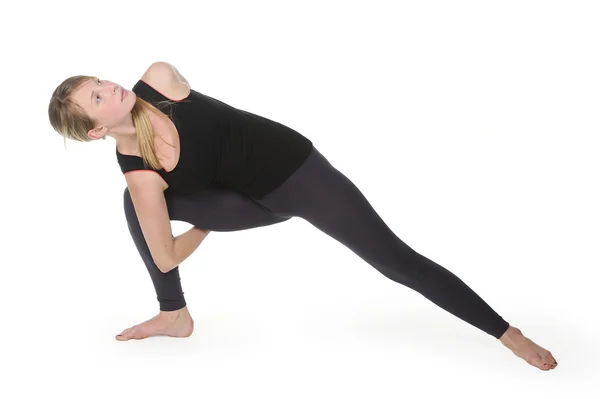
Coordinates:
x,y
97,97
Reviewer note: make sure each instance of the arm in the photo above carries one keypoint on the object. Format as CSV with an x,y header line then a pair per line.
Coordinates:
x,y
184,245
180,76
165,73
147,194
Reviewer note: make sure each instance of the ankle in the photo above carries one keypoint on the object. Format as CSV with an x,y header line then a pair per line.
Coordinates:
x,y
173,314
511,334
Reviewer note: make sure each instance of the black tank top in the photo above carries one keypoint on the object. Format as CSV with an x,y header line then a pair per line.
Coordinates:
x,y
222,146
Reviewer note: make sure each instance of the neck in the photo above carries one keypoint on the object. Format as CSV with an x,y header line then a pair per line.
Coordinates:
x,y
128,145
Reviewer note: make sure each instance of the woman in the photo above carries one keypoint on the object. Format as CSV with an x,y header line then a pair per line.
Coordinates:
x,y
189,157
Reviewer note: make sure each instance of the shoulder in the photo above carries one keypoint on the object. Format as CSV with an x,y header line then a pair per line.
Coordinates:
x,y
147,181
137,174
166,79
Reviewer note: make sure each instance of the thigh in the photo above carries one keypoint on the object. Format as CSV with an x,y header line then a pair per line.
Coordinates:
x,y
330,201
216,209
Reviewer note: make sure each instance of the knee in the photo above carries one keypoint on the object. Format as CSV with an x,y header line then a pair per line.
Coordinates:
x,y
410,271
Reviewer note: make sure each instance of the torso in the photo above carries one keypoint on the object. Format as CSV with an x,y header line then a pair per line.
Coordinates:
x,y
164,128
168,155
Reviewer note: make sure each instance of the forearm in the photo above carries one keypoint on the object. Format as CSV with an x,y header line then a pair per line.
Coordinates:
x,y
185,244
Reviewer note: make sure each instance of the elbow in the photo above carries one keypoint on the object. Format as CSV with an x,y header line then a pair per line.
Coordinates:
x,y
163,269
164,266
164,259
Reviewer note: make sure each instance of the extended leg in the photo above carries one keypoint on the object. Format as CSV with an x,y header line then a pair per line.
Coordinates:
x,y
323,196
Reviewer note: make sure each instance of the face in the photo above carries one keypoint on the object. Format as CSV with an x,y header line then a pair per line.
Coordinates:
x,y
108,103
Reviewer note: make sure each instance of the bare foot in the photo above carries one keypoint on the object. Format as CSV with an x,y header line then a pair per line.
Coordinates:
x,y
528,350
177,323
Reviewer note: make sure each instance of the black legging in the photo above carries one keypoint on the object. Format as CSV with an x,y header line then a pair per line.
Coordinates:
x,y
326,198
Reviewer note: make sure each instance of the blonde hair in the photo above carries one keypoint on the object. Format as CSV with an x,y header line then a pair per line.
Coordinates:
x,y
72,122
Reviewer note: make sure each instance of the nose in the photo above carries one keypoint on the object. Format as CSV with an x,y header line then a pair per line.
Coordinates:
x,y
114,88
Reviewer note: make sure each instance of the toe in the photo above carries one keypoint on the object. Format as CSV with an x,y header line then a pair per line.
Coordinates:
x,y
546,366
131,332
124,336
551,362
136,332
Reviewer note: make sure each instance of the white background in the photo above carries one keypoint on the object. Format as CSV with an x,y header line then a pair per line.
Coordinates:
x,y
471,127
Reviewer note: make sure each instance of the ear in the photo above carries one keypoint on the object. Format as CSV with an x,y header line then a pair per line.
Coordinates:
x,y
97,132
